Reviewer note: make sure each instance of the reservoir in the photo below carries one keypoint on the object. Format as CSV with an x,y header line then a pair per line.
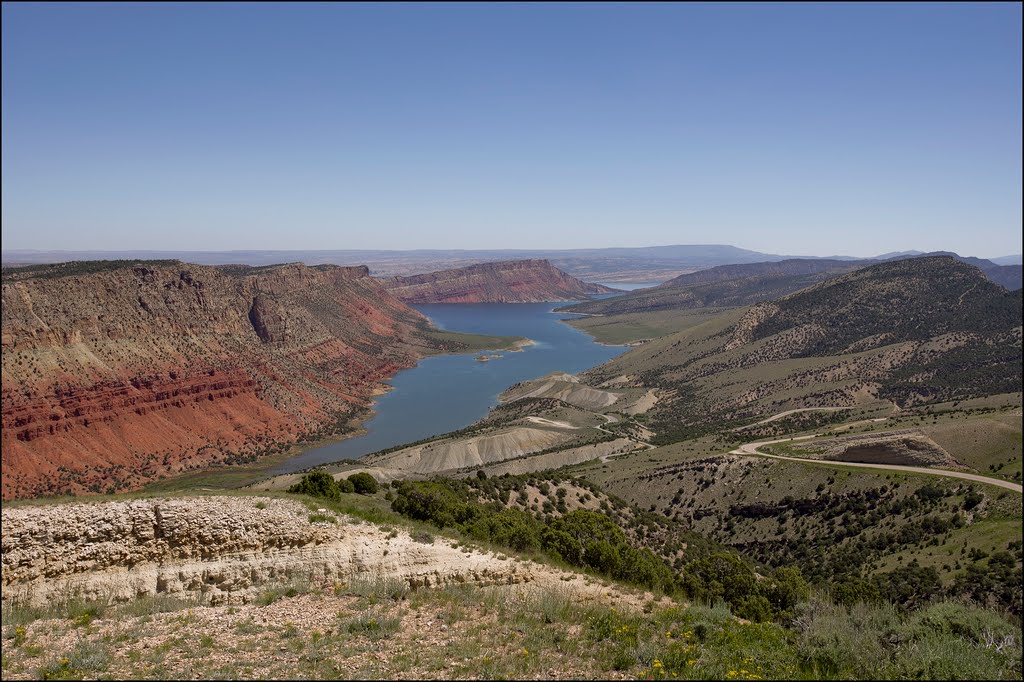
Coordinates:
x,y
449,392
629,286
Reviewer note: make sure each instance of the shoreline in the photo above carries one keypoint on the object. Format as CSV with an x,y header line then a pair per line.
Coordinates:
x,y
262,469
518,346
360,429
638,342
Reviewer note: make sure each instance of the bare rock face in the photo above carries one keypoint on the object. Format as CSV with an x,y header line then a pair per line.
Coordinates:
x,y
522,281
115,374
906,447
268,320
214,549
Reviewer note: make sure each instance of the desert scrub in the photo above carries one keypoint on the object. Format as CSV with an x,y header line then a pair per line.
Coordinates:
x,y
86,660
375,589
16,633
373,624
946,640
151,605
506,632
294,587
422,537
70,606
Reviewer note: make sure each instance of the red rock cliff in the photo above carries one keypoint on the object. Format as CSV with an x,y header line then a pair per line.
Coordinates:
x,y
114,378
519,281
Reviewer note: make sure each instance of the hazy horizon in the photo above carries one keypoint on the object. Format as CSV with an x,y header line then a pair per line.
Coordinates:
x,y
133,253
815,130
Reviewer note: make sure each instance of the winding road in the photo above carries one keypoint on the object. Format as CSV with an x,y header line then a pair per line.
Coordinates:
x,y
780,415
751,450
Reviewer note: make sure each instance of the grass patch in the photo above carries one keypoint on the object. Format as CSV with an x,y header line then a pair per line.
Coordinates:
x,y
293,588
374,625
458,342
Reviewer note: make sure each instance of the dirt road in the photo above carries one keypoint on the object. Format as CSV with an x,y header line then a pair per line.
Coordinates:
x,y
751,450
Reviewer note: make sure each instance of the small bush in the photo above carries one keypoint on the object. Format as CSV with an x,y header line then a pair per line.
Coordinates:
x,y
364,483
292,589
86,660
317,484
422,536
372,625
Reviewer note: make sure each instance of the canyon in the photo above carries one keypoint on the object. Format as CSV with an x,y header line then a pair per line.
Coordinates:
x,y
118,373
520,281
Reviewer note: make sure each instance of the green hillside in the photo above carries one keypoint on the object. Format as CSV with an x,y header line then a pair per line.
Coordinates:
x,y
725,286
896,334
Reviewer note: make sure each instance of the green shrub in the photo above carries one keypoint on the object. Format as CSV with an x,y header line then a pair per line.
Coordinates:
x,y
785,590
317,484
364,483
910,585
581,538
980,626
509,527
852,591
754,607
433,501
561,545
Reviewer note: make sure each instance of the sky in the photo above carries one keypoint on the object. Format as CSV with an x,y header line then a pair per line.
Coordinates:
x,y
786,128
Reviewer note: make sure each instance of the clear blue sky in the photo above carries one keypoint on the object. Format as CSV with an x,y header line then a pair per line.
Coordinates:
x,y
822,129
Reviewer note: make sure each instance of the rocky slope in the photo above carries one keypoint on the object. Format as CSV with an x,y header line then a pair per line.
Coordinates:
x,y
116,373
521,281
904,332
220,550
1006,275
728,286
724,286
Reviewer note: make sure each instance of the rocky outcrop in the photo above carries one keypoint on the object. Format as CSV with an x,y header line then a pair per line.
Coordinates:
x,y
459,453
563,387
906,447
216,550
520,281
268,320
116,374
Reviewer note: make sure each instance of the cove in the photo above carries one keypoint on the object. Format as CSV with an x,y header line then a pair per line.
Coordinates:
x,y
449,392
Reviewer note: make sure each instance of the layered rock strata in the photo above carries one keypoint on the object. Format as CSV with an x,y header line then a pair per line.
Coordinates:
x,y
520,281
215,550
116,376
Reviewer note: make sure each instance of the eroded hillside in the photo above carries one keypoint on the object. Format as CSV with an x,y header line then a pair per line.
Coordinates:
x,y
900,333
724,286
521,281
117,373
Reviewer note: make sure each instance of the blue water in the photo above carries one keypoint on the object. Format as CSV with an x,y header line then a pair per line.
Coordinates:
x,y
449,392
629,286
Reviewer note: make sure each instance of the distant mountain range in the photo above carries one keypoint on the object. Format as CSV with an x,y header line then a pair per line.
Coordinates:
x,y
642,264
728,286
724,286
639,264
